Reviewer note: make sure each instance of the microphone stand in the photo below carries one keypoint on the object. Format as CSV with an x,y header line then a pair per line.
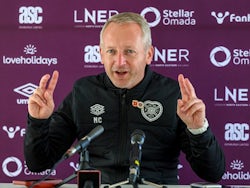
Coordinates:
x,y
152,184
135,184
84,160
120,184
133,180
84,165
137,139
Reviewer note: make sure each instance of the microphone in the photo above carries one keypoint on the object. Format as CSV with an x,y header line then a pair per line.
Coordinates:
x,y
137,140
84,142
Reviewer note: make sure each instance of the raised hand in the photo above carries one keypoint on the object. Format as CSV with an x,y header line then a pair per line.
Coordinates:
x,y
190,108
41,103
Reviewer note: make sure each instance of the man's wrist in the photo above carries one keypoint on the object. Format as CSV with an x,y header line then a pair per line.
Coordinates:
x,y
200,130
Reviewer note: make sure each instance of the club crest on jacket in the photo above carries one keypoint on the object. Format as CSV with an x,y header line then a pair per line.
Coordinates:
x,y
150,110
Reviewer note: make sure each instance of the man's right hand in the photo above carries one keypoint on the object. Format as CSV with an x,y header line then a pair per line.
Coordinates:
x,y
41,103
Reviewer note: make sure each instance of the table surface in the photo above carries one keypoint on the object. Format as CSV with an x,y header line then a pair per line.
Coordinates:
x,y
10,185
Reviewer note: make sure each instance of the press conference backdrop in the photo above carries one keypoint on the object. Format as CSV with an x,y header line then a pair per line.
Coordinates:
x,y
207,41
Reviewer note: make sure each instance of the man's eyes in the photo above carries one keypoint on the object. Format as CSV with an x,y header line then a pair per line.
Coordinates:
x,y
111,51
129,51
125,52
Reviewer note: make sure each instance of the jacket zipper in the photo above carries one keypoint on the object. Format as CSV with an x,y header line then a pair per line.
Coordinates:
x,y
123,127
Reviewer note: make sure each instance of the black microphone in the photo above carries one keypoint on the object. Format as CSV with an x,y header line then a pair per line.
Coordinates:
x,y
84,142
137,139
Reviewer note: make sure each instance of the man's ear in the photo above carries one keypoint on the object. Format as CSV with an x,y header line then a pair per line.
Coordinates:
x,y
150,55
100,52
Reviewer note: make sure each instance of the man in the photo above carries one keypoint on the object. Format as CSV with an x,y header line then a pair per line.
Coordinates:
x,y
127,96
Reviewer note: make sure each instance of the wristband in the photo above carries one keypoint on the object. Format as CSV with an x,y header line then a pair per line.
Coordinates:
x,y
200,130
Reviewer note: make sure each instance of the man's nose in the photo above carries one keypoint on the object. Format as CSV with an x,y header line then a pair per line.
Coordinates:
x,y
121,60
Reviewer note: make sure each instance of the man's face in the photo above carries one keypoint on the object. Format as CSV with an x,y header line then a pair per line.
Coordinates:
x,y
124,55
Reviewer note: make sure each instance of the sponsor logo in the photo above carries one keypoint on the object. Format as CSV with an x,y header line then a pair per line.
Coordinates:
x,y
236,134
97,110
11,131
225,61
150,110
237,165
168,17
91,57
29,60
231,97
171,57
220,16
30,49
30,17
227,16
12,172
239,57
96,18
75,166
236,172
25,90
92,18
155,12
13,167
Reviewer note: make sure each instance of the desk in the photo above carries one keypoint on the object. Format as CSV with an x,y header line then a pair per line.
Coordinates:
x,y
10,185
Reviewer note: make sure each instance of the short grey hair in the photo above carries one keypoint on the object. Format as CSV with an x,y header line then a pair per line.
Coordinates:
x,y
130,17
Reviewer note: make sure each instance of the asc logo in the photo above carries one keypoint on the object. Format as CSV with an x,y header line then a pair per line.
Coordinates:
x,y
236,132
92,54
30,15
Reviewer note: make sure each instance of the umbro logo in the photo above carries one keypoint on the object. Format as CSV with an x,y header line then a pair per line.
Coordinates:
x,y
26,90
97,110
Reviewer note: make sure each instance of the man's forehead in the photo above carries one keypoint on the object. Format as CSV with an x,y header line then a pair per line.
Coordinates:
x,y
124,25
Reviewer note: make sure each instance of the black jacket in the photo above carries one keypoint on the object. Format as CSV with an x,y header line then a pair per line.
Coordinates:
x,y
150,106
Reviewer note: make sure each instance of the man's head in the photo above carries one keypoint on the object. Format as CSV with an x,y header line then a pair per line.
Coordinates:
x,y
126,48
130,17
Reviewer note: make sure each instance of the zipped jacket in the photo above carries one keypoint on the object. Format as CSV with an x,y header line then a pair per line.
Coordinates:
x,y
150,106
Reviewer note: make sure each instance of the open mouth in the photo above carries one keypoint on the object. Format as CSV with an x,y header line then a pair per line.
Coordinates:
x,y
121,73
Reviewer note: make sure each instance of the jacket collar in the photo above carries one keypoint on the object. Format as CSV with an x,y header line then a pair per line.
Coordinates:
x,y
141,86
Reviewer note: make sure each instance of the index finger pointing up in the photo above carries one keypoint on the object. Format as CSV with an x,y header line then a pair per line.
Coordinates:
x,y
43,82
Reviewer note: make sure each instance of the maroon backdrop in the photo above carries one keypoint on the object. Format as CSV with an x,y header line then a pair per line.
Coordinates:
x,y
207,41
